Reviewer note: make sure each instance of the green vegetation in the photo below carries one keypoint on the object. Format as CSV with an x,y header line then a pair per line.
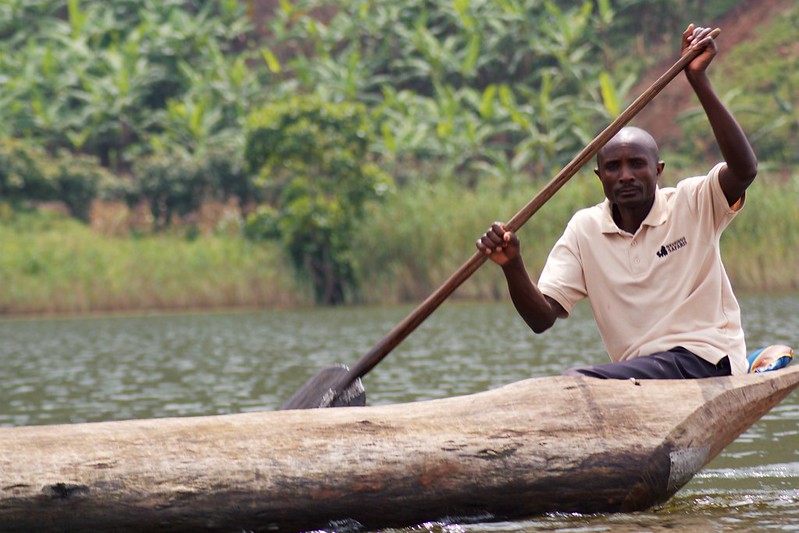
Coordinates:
x,y
476,88
363,144
761,247
767,97
28,173
51,264
313,166
406,247
419,238
123,79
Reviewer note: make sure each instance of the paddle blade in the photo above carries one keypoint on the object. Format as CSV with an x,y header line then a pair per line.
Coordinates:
x,y
317,390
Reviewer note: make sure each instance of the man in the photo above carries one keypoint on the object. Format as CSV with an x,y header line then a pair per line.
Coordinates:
x,y
647,258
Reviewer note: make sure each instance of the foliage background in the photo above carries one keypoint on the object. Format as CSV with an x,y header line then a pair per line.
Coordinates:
x,y
139,117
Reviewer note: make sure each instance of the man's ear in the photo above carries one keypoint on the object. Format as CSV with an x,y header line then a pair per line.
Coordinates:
x,y
660,166
596,171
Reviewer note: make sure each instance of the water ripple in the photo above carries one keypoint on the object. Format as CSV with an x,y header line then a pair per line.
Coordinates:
x,y
115,368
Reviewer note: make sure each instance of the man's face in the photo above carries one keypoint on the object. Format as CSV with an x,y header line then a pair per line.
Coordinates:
x,y
628,168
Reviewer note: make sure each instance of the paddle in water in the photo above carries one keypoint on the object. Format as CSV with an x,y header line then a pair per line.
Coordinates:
x,y
325,382
327,389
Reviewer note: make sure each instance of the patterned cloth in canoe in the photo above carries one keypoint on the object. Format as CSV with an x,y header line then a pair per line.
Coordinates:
x,y
769,358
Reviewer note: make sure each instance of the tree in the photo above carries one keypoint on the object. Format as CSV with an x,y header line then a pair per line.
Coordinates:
x,y
313,164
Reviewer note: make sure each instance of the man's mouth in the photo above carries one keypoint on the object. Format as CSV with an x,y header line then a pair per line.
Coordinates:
x,y
626,191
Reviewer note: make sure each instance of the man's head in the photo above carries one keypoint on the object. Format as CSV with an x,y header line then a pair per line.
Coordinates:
x,y
629,166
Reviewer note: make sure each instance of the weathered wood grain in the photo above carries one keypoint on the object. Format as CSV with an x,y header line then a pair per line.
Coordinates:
x,y
548,444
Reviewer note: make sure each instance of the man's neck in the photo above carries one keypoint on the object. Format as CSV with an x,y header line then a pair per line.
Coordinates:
x,y
630,220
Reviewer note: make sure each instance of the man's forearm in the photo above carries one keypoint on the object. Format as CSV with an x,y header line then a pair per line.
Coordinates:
x,y
530,303
732,141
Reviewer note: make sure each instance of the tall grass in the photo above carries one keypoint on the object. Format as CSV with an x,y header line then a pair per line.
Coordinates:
x,y
409,245
55,265
761,246
419,238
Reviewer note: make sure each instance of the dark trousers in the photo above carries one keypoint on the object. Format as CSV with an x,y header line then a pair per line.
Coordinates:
x,y
677,363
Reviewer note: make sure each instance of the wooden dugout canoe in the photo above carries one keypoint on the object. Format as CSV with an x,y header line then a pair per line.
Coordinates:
x,y
560,443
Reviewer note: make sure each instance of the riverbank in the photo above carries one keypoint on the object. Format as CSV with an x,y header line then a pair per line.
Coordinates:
x,y
55,265
52,265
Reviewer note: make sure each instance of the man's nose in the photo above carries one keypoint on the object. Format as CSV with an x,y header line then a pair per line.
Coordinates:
x,y
625,173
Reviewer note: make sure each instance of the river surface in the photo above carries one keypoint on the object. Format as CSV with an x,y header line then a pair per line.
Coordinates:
x,y
70,370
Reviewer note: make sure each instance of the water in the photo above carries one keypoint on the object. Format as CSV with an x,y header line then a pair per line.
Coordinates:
x,y
112,368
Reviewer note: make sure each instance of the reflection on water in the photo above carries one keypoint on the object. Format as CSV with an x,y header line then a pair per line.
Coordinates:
x,y
113,368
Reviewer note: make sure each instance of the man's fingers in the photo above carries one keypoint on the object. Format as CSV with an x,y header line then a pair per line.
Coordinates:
x,y
492,239
495,239
498,228
700,37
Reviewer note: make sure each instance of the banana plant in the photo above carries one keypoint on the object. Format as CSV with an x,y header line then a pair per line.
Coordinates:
x,y
113,99
423,64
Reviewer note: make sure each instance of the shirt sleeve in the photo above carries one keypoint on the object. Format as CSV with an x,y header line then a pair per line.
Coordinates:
x,y
562,277
709,201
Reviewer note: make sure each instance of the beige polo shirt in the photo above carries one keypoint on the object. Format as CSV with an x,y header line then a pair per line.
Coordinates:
x,y
664,286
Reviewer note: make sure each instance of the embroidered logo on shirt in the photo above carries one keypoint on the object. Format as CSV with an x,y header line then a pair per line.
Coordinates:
x,y
674,246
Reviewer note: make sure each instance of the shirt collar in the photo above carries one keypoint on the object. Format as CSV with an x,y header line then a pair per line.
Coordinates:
x,y
656,216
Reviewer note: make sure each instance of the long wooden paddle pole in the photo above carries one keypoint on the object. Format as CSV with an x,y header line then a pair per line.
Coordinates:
x,y
322,393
